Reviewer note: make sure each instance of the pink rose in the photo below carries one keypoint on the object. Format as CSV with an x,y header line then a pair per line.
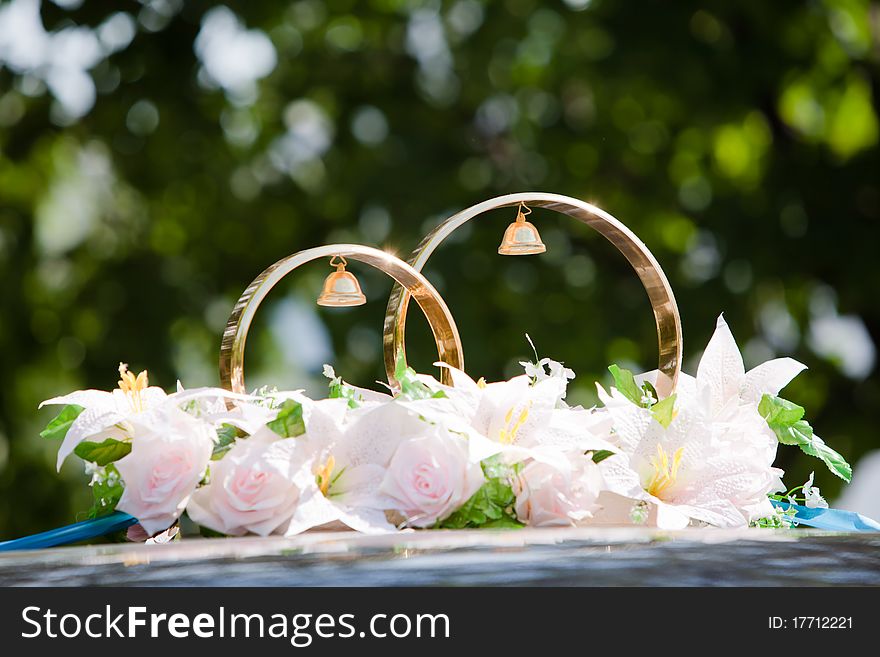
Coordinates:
x,y
431,476
558,491
169,455
253,488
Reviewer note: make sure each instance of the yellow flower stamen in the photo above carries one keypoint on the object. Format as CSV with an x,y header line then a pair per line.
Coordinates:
x,y
132,386
664,475
322,476
482,383
508,433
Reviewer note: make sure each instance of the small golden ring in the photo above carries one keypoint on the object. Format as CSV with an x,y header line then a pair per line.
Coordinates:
x,y
437,313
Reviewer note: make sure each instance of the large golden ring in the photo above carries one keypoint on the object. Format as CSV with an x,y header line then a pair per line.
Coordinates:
x,y
648,269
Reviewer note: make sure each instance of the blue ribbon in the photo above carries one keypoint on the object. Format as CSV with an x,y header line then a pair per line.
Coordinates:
x,y
834,520
80,531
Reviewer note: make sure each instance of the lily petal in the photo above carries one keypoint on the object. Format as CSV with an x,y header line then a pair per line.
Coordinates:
x,y
721,368
84,398
480,447
671,517
460,379
718,513
91,423
770,378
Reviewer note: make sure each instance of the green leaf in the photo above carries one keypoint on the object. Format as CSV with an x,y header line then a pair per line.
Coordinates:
x,y
58,428
492,504
339,389
625,382
410,387
289,422
785,419
503,523
778,519
102,453
107,488
835,462
210,533
664,411
601,454
799,433
777,410
226,436
494,468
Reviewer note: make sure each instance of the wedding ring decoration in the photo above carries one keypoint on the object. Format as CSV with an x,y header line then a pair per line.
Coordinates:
x,y
521,238
486,471
340,289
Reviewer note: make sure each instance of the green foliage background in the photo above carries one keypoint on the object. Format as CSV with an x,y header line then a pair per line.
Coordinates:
x,y
737,139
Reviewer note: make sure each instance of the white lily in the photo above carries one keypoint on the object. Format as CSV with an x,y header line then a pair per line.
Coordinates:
x,y
713,463
523,414
113,414
695,469
106,413
722,372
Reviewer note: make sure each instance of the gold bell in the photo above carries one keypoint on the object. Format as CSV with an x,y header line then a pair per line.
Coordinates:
x,y
521,236
341,288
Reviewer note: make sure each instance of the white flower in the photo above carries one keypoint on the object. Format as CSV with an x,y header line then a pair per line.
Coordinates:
x,y
814,499
538,371
431,476
249,413
111,414
518,416
105,412
169,455
721,371
714,461
254,488
558,370
533,370
559,489
350,452
696,468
